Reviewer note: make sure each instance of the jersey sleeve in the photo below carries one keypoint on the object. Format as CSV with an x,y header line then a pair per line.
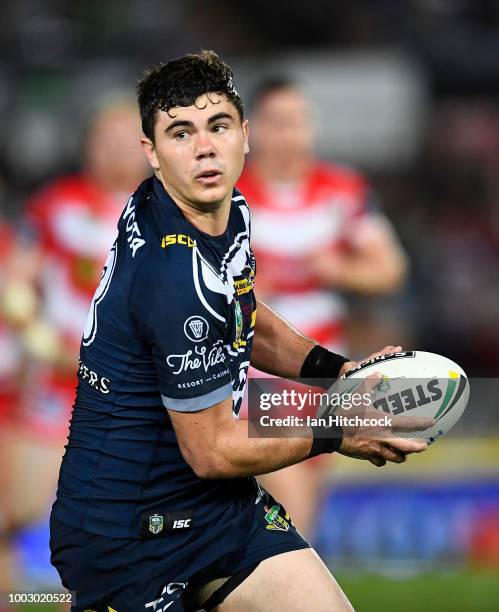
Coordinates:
x,y
183,331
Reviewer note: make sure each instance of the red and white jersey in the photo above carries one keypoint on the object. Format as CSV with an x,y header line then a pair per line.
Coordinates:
x,y
10,348
291,223
74,225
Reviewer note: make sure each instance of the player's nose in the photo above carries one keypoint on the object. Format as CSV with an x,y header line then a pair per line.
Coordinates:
x,y
204,146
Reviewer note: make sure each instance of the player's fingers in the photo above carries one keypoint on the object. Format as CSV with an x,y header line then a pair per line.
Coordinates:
x,y
385,351
370,382
392,454
404,423
378,461
408,446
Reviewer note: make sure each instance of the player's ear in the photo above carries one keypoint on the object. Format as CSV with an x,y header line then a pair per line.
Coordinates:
x,y
245,126
150,151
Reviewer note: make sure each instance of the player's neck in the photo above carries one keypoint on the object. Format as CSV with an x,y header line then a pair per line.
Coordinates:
x,y
212,222
208,217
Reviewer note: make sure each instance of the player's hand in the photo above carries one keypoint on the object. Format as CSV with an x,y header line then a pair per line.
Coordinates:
x,y
353,364
379,443
379,451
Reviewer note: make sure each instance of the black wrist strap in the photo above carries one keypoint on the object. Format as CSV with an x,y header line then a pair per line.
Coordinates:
x,y
321,363
326,440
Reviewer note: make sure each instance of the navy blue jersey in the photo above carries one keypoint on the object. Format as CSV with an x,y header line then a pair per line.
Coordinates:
x,y
170,325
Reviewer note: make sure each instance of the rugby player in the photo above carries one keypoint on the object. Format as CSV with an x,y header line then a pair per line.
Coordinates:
x,y
157,505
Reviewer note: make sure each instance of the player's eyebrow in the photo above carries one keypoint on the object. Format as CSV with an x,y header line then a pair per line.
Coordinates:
x,y
218,116
179,123
185,123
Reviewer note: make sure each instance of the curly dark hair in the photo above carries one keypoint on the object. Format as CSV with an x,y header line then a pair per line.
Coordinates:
x,y
180,82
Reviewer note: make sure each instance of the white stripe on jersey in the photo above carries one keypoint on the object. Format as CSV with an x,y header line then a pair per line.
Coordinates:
x,y
198,287
233,263
297,232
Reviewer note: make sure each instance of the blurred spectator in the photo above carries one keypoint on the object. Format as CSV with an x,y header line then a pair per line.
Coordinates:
x,y
317,230
10,371
50,277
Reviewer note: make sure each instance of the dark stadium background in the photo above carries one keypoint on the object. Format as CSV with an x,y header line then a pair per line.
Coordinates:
x,y
406,90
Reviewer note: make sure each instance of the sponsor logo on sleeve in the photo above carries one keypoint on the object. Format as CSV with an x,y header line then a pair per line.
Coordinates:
x,y
196,328
201,358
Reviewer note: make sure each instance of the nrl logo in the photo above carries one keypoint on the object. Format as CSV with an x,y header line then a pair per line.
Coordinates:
x,y
384,384
155,523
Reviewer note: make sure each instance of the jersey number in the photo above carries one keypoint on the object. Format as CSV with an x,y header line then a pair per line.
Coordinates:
x,y
105,280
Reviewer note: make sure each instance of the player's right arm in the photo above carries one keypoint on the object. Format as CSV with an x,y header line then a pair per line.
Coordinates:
x,y
216,445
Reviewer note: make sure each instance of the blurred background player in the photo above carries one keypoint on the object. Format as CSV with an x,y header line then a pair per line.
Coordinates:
x,y
50,276
317,231
10,375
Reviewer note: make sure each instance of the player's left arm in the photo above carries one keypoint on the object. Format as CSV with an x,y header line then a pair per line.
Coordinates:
x,y
373,262
278,348
281,350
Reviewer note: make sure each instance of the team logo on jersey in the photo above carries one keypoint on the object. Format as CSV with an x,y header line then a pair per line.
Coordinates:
x,y
239,326
196,328
275,521
155,523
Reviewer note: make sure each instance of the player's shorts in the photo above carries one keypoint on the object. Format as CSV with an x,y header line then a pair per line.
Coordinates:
x,y
167,573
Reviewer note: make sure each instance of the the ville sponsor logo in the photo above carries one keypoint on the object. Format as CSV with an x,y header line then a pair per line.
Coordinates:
x,y
201,357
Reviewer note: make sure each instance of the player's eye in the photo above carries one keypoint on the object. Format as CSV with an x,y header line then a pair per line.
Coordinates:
x,y
181,135
219,128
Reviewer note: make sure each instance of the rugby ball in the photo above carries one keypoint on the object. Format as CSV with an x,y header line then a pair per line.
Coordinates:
x,y
413,384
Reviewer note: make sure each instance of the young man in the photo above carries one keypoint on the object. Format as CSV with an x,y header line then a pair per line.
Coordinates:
x,y
157,504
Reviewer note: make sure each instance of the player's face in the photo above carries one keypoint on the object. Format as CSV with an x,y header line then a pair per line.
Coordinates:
x,y
282,126
199,150
112,153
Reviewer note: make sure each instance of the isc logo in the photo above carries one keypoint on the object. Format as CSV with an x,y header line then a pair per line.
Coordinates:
x,y
183,239
181,523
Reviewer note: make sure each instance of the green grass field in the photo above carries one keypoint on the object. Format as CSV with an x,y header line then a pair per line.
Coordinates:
x,y
466,591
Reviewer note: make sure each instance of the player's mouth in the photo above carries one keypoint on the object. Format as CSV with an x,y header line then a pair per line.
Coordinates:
x,y
208,177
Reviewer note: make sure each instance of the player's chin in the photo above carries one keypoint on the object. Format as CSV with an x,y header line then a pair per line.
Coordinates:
x,y
213,193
